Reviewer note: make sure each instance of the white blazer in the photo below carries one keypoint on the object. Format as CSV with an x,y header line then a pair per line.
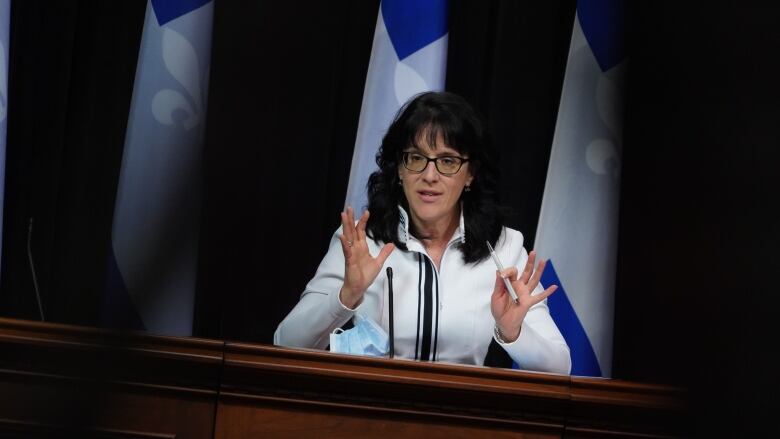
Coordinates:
x,y
440,315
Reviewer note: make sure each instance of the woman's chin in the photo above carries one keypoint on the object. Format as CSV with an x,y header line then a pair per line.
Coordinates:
x,y
428,214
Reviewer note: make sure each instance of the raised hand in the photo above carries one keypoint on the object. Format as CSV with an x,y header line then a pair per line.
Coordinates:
x,y
508,314
360,268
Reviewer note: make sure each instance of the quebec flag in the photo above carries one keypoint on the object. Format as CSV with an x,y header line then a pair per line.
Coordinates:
x,y
153,258
5,25
409,56
578,221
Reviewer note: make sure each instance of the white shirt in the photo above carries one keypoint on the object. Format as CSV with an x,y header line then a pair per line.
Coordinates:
x,y
440,315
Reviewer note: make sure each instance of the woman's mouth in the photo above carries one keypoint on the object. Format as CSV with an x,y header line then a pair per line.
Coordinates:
x,y
429,196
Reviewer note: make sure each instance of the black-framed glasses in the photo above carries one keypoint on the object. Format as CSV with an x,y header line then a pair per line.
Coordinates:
x,y
446,165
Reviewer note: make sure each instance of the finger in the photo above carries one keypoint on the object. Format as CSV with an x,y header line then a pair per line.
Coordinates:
x,y
544,294
509,273
529,267
352,235
346,226
351,216
361,226
345,247
384,253
537,275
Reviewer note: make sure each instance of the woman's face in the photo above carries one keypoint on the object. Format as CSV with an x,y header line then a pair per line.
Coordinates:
x,y
433,197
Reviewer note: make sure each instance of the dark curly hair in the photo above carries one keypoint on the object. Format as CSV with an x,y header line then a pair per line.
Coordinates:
x,y
445,116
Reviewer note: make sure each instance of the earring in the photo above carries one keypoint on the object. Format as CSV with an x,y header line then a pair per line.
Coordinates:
x,y
467,189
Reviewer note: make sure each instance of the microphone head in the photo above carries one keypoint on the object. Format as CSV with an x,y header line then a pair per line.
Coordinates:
x,y
389,272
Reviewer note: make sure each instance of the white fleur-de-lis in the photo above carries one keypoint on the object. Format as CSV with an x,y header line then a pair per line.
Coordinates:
x,y
181,61
3,84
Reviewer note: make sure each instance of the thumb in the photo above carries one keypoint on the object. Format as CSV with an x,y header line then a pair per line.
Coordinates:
x,y
384,253
498,289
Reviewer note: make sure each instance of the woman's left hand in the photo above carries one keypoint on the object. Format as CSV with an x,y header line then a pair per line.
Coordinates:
x,y
508,314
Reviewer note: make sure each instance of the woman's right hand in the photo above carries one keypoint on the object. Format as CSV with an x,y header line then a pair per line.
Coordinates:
x,y
360,268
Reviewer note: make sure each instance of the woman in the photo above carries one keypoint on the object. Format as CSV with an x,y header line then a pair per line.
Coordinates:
x,y
433,205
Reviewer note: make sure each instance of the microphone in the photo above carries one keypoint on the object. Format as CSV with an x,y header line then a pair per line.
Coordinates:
x,y
32,269
390,289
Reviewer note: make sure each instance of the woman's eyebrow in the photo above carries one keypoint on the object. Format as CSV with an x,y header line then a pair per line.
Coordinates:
x,y
440,151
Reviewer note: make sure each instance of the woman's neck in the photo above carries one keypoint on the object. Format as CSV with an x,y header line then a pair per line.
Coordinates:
x,y
436,233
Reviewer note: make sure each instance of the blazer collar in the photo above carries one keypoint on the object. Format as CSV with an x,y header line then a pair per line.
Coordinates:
x,y
403,228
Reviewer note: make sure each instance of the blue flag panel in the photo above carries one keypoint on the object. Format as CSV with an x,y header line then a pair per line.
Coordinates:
x,y
168,10
413,24
603,27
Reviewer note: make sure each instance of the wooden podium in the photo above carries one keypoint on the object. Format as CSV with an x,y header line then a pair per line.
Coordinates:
x,y
68,381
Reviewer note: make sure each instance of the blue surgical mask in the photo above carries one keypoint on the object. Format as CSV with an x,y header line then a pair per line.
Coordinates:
x,y
365,338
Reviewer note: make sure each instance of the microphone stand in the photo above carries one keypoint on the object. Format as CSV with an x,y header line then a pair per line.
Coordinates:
x,y
390,290
32,269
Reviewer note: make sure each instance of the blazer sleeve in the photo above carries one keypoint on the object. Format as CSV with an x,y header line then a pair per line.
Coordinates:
x,y
319,310
540,346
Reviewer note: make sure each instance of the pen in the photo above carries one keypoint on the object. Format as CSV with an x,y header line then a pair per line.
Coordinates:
x,y
500,269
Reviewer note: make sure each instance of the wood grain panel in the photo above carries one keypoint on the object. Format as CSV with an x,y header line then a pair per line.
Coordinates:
x,y
67,381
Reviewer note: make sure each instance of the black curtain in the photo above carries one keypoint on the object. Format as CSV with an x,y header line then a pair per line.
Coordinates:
x,y
508,59
696,289
71,70
284,97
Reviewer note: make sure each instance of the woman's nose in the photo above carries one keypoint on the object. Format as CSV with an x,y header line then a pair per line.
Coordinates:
x,y
430,173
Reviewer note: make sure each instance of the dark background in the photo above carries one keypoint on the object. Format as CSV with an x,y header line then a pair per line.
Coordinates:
x,y
698,232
